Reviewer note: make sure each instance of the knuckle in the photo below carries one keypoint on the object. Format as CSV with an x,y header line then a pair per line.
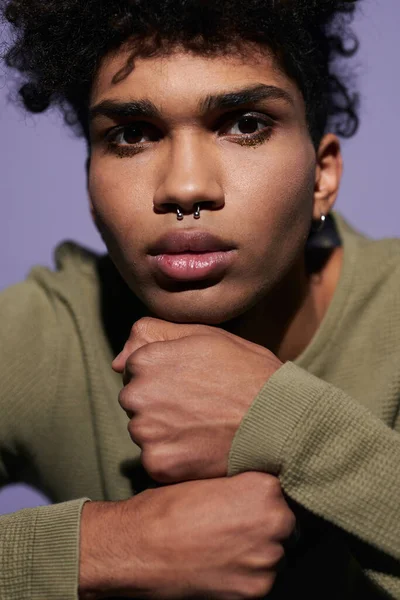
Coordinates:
x,y
257,587
136,432
141,328
264,584
144,430
148,461
123,399
130,398
137,362
272,487
274,556
157,465
137,359
130,363
134,365
282,522
291,523
147,357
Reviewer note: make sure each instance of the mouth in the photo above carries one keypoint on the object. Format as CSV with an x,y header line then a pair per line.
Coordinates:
x,y
191,256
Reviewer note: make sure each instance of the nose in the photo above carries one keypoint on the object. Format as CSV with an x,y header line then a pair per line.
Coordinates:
x,y
190,179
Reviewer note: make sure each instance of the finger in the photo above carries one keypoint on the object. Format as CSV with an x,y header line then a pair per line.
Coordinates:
x,y
149,330
292,541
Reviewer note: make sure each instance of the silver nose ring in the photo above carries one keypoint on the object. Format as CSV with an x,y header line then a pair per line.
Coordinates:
x,y
196,214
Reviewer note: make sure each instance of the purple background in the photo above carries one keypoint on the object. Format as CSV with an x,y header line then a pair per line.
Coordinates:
x,y
42,179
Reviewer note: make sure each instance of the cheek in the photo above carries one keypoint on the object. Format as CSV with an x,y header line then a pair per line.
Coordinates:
x,y
278,184
120,199
278,178
276,188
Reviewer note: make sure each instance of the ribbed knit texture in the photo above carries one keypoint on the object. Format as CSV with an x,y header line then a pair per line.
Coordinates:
x,y
327,424
338,454
270,421
33,550
333,456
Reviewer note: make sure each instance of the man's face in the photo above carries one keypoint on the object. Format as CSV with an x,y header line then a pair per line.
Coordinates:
x,y
227,134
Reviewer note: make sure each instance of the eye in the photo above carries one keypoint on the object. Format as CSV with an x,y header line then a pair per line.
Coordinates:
x,y
135,133
248,125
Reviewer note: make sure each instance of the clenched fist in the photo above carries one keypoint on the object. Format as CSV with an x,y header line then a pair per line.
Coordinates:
x,y
187,389
220,539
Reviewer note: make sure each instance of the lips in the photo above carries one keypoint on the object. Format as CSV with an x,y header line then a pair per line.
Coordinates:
x,y
191,255
181,242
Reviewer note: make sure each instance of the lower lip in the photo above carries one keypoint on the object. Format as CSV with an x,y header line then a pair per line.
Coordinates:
x,y
192,267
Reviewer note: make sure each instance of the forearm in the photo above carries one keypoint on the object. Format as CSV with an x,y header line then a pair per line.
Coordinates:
x,y
333,457
108,563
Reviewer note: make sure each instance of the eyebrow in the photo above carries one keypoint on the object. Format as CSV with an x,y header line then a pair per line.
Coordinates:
x,y
116,108
244,96
211,103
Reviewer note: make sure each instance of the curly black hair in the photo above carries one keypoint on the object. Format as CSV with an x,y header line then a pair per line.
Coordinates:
x,y
58,45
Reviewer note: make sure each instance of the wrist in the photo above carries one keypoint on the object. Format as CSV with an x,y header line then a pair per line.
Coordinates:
x,y
92,578
107,564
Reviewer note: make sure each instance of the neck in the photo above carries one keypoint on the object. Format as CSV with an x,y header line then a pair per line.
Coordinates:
x,y
288,319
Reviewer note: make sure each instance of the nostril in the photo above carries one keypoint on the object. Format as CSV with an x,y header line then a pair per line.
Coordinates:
x,y
181,210
208,205
167,207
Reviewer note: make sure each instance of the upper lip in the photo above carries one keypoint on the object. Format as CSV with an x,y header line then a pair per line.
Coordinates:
x,y
179,242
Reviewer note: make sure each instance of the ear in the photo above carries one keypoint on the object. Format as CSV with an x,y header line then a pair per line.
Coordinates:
x,y
328,175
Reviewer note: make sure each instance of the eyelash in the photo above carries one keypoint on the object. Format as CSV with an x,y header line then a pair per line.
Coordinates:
x,y
247,140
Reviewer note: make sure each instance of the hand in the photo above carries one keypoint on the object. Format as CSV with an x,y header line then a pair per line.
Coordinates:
x,y
220,539
187,389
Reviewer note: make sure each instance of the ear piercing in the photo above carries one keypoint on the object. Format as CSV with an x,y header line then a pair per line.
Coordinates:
x,y
320,225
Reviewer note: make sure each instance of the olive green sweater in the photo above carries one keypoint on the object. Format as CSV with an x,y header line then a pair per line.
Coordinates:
x,y
328,424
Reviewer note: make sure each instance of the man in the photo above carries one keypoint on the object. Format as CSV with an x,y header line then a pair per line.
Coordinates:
x,y
210,159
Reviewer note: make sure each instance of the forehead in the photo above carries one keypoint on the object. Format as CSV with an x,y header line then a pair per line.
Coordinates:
x,y
186,77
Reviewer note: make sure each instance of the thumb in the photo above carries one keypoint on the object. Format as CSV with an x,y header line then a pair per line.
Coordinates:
x,y
149,330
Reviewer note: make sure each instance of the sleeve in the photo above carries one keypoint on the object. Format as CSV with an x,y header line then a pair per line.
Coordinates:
x,y
334,458
38,547
39,552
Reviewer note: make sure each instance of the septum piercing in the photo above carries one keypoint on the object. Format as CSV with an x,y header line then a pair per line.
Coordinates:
x,y
196,214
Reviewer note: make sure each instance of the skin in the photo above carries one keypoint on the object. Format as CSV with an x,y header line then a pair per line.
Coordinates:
x,y
219,539
262,197
186,430
261,193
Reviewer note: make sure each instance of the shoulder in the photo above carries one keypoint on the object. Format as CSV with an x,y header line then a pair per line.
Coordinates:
x,y
31,310
39,336
76,267
374,264
357,346
369,323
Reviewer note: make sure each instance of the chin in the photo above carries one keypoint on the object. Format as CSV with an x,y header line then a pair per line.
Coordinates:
x,y
195,307
197,317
